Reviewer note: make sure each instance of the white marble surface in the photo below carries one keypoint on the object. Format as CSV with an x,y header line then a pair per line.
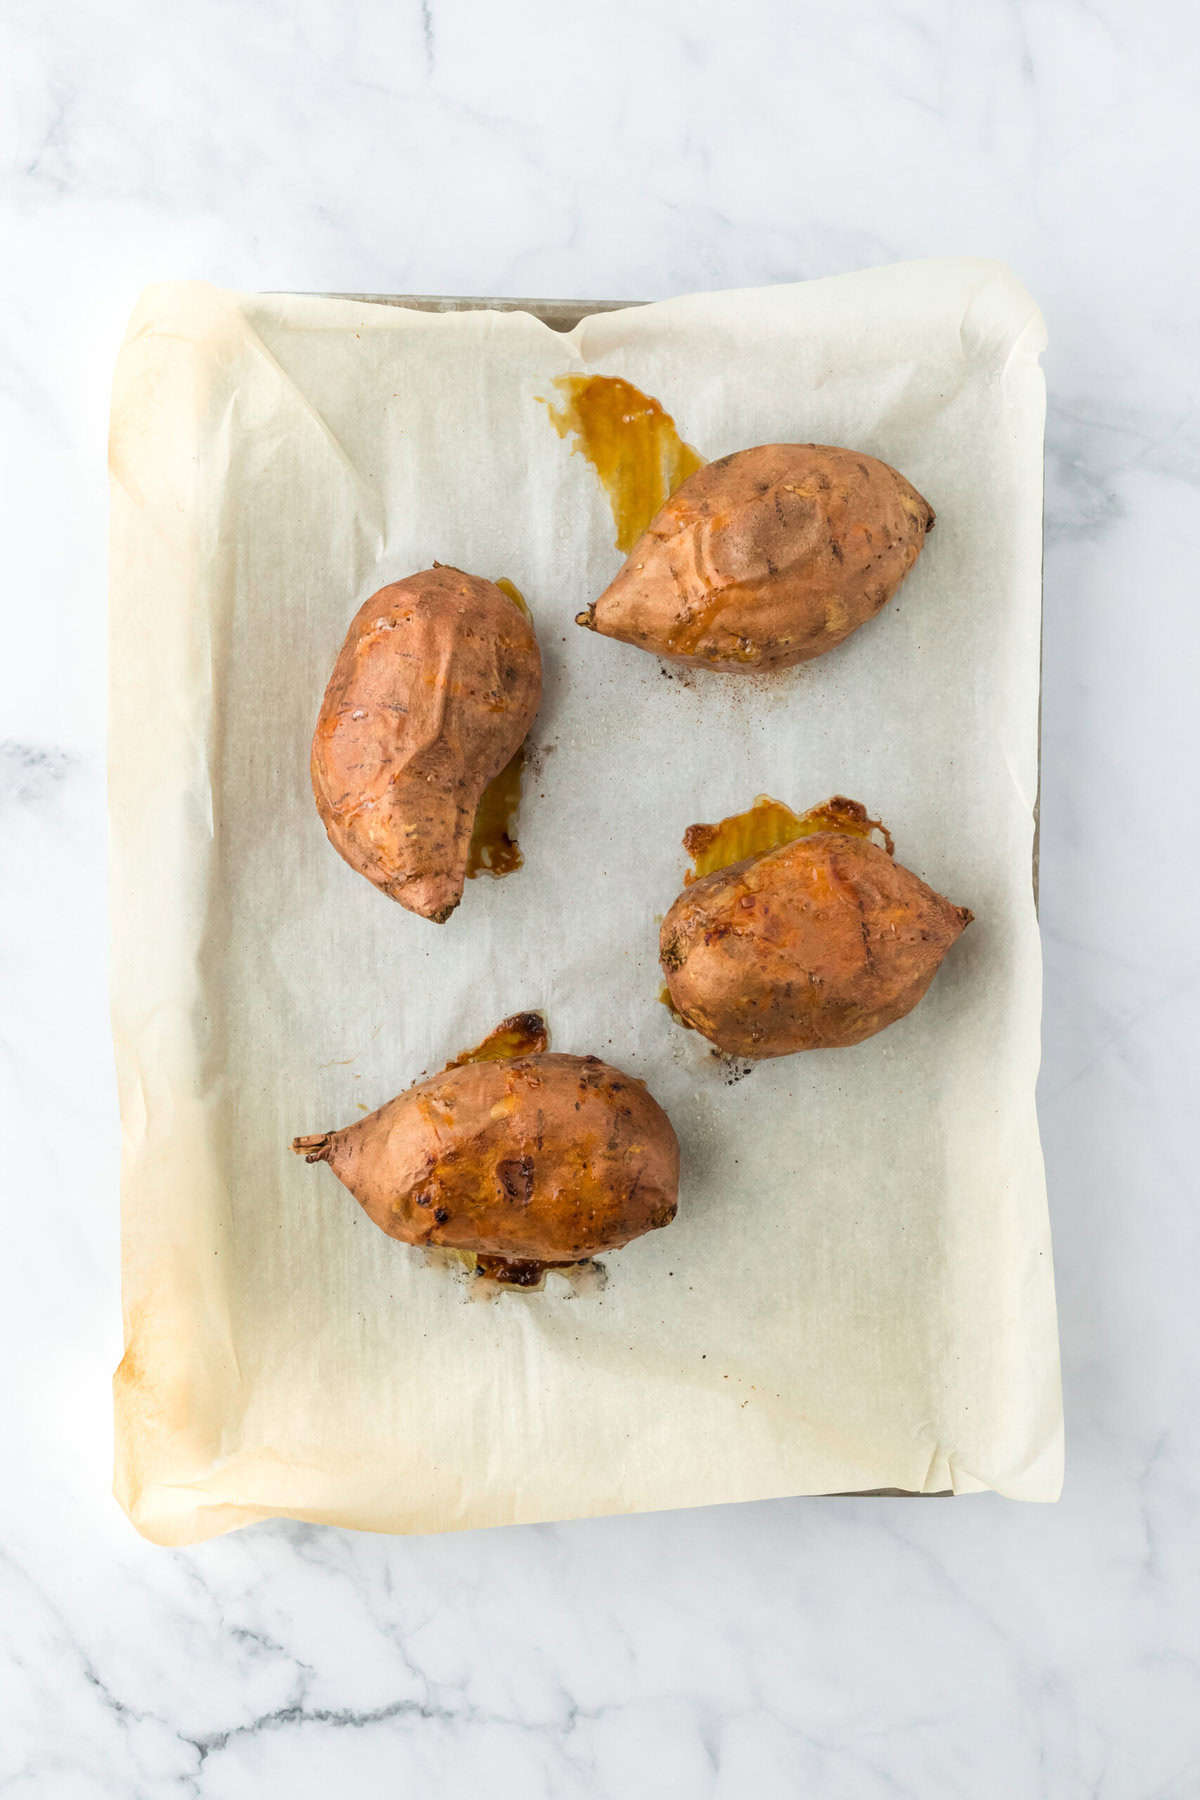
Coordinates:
x,y
847,1649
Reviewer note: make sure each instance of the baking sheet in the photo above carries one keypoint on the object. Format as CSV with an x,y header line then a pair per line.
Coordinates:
x,y
858,1290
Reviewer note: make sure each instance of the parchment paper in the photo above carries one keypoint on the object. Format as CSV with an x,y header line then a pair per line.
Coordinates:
x,y
858,1292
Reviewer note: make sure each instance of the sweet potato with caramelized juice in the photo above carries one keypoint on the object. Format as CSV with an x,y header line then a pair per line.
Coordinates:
x,y
528,1161
766,558
813,944
435,688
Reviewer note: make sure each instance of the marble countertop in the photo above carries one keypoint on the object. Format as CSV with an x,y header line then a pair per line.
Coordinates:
x,y
842,1648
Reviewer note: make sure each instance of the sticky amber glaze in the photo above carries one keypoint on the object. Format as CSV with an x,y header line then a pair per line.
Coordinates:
x,y
766,825
494,849
514,593
630,441
524,1034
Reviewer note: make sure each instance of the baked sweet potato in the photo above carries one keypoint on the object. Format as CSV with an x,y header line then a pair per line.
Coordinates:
x,y
529,1162
434,690
766,558
816,944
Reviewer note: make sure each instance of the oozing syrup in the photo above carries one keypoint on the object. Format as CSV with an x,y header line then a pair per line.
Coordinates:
x,y
632,443
494,849
524,1034
767,824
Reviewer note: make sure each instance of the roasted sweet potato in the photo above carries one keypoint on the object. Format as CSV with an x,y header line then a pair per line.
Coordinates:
x,y
537,1160
766,558
434,690
816,944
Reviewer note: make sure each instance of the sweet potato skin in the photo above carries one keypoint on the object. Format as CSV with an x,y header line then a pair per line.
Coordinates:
x,y
433,692
816,945
766,558
545,1159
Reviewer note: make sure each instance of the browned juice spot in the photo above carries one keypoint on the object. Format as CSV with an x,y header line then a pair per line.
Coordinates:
x,y
524,1034
766,825
503,1271
630,441
494,849
512,1274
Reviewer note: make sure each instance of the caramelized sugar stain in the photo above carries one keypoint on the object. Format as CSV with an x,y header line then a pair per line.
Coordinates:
x,y
493,1276
510,1274
524,1034
494,849
630,441
766,825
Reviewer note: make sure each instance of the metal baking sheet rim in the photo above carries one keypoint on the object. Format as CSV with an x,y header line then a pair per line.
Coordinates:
x,y
564,315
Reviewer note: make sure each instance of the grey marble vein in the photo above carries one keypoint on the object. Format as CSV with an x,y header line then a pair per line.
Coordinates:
x,y
30,772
